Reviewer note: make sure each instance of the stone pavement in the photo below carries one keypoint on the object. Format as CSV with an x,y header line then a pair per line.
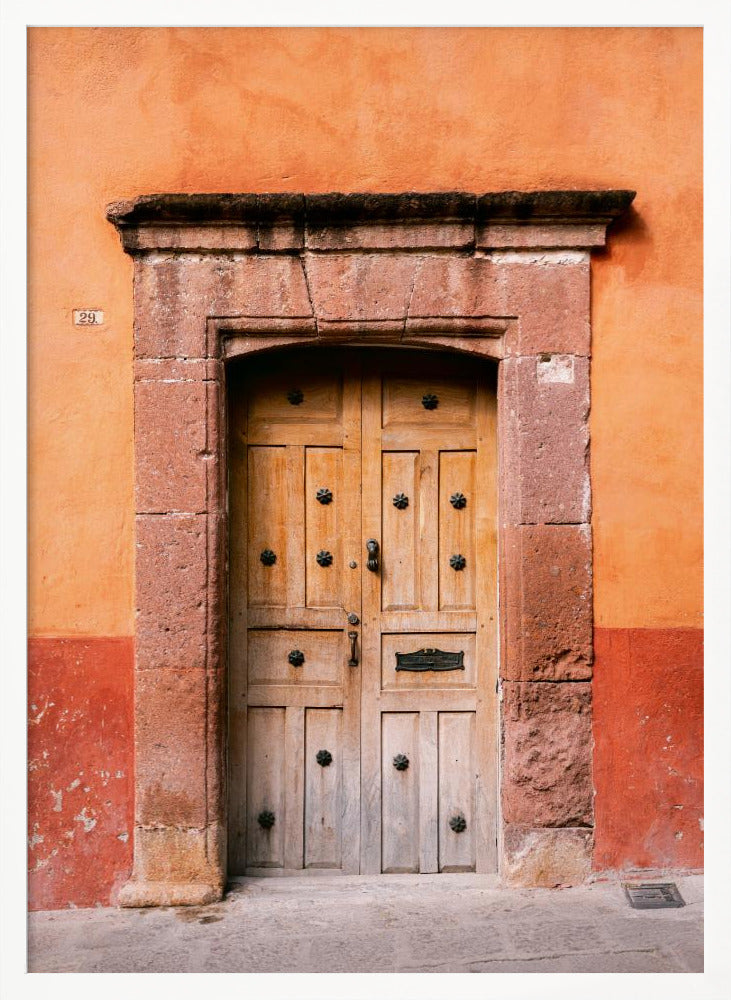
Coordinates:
x,y
391,923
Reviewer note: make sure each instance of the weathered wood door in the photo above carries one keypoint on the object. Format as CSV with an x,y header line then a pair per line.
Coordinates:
x,y
362,496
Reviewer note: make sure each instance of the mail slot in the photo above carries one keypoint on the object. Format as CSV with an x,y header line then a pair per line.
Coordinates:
x,y
430,659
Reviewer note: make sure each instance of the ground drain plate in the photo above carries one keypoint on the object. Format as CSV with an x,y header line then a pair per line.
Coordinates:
x,y
653,896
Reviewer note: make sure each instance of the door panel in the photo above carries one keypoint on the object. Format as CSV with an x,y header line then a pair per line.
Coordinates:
x,y
400,791
456,530
456,791
323,479
270,514
400,578
295,658
323,788
266,787
398,447
393,679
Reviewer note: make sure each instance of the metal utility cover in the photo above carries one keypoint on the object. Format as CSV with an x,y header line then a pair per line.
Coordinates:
x,y
656,896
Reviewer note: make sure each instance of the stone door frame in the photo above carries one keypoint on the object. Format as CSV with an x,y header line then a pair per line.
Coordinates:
x,y
504,276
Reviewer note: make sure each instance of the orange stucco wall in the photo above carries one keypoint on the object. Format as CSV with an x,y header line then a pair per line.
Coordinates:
x,y
114,113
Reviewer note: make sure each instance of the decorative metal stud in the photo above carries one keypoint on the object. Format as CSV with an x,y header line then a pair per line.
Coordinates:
x,y
324,495
458,501
430,401
401,501
295,396
266,819
324,558
457,562
324,758
400,761
296,657
268,557
458,823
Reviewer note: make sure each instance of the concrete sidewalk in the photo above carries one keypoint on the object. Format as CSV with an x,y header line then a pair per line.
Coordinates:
x,y
391,923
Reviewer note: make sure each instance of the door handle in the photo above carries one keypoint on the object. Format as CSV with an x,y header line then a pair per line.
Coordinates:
x,y
353,661
372,563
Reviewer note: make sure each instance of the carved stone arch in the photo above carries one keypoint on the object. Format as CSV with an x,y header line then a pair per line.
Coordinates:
x,y
504,276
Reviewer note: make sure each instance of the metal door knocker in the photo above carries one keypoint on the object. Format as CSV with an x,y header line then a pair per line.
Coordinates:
x,y
372,563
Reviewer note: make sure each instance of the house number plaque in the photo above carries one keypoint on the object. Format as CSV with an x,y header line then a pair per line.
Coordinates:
x,y
430,659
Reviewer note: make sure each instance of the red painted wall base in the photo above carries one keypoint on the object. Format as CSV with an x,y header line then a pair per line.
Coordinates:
x,y
648,760
648,754
80,759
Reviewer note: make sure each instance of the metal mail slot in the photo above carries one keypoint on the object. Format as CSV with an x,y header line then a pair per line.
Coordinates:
x,y
430,659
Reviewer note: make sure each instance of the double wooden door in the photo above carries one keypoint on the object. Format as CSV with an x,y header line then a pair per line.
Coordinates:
x,y
363,606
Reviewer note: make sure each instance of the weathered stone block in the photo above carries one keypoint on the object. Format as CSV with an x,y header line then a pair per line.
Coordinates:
x,y
457,286
545,858
544,445
397,235
549,291
547,606
174,867
171,455
171,591
540,236
176,294
547,754
170,769
361,286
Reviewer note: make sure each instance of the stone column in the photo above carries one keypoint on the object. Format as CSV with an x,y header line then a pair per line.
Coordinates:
x,y
546,569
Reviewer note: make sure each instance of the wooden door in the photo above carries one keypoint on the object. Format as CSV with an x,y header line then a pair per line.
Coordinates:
x,y
388,764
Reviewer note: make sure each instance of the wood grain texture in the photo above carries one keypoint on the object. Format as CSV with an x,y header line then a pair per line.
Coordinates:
x,y
266,786
400,793
401,540
428,792
366,437
324,469
456,790
456,530
323,788
269,513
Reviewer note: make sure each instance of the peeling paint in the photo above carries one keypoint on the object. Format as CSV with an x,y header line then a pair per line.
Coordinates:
x,y
35,838
57,800
89,822
49,704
